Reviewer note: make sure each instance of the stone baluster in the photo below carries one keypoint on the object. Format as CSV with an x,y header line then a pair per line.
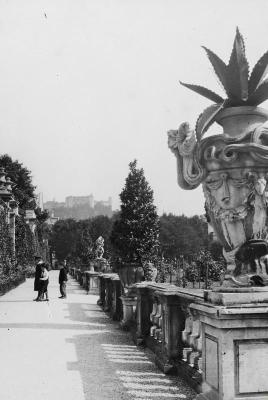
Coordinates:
x,y
158,323
195,341
152,316
186,333
192,341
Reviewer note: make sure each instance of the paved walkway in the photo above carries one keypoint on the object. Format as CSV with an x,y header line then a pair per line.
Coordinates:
x,y
69,349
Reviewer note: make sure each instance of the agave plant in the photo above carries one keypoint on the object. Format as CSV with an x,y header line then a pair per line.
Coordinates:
x,y
241,89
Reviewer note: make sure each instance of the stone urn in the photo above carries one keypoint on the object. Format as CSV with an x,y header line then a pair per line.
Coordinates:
x,y
233,166
235,186
130,273
233,169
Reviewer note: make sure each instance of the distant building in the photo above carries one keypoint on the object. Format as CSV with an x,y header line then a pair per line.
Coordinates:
x,y
72,201
103,207
79,207
52,219
52,205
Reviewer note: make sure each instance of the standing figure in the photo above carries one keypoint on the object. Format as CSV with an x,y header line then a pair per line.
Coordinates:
x,y
99,247
44,281
63,278
37,275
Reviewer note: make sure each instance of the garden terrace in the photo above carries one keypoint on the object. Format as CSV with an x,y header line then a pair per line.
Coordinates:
x,y
198,335
74,350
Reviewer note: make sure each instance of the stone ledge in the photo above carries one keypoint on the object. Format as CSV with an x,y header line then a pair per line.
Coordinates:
x,y
239,296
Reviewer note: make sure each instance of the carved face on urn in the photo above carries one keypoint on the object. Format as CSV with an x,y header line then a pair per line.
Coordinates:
x,y
228,188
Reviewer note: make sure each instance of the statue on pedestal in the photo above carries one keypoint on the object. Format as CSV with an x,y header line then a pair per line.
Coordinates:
x,y
100,263
232,166
99,247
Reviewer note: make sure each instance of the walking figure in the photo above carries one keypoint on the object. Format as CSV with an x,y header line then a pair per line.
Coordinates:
x,y
37,276
63,278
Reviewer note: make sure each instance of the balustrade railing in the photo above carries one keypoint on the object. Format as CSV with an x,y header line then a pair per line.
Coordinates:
x,y
110,291
167,325
164,320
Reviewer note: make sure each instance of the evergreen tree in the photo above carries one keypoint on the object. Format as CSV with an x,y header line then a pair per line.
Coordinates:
x,y
135,233
24,189
63,239
84,246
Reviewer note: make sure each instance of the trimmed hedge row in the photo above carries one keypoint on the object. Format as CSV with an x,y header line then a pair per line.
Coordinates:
x,y
7,285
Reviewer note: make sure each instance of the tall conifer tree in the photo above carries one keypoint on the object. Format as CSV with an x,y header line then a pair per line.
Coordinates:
x,y
135,233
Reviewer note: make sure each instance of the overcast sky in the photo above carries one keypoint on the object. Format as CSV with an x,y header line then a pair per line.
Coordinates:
x,y
86,86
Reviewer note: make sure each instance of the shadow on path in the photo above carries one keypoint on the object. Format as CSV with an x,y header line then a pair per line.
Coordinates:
x,y
112,367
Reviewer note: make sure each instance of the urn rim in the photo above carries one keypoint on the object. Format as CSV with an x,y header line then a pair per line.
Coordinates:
x,y
241,111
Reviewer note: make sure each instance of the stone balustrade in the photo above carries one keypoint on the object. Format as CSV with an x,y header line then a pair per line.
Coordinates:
x,y
110,291
167,325
207,337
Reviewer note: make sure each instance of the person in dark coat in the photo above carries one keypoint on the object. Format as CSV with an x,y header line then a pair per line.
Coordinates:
x,y
44,281
63,278
37,276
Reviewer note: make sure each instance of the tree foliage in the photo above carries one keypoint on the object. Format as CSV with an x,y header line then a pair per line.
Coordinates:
x,y
181,235
6,255
204,268
24,189
135,233
25,243
63,238
84,242
74,240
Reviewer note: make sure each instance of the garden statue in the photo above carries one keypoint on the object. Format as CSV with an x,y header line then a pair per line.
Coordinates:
x,y
99,247
100,264
232,166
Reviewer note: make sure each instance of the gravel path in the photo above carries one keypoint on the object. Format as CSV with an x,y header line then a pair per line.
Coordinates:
x,y
69,349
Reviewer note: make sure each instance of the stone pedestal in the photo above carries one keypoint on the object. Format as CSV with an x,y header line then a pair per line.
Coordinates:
x,y
108,292
235,350
84,280
93,282
129,307
173,323
101,299
144,308
117,291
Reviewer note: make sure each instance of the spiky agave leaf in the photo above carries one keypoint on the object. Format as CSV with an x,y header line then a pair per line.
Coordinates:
x,y
237,74
219,67
260,94
209,94
258,73
206,119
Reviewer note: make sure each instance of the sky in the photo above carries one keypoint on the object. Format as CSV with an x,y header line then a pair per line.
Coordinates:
x,y
87,86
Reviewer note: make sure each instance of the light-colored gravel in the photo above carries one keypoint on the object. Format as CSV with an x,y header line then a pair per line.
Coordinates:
x,y
70,349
